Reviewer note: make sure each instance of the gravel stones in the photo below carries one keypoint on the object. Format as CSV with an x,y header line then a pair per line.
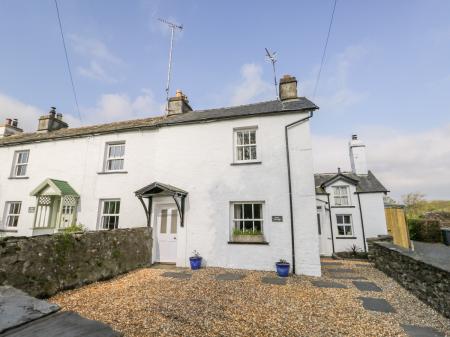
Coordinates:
x,y
144,303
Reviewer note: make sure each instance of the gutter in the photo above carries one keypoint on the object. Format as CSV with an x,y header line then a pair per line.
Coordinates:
x,y
362,223
291,212
331,222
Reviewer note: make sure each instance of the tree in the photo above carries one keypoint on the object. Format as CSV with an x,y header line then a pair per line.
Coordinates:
x,y
415,204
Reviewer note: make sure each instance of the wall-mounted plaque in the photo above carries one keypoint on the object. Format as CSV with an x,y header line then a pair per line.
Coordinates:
x,y
277,218
31,209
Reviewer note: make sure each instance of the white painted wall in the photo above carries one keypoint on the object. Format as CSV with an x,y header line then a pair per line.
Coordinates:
x,y
372,208
196,158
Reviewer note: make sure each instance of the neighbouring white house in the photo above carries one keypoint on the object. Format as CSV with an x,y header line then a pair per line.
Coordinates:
x,y
236,184
350,205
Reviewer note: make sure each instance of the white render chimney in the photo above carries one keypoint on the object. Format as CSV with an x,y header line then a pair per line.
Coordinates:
x,y
357,152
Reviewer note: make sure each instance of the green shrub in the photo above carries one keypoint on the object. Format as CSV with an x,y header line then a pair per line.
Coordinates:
x,y
424,230
237,231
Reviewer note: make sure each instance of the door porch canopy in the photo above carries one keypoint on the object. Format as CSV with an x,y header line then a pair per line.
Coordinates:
x,y
157,189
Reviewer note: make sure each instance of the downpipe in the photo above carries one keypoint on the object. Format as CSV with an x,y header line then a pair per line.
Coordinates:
x,y
286,129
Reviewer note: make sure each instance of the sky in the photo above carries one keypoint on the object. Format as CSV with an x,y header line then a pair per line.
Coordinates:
x,y
386,75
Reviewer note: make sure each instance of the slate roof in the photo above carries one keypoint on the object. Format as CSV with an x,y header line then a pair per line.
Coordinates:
x,y
159,188
196,116
366,183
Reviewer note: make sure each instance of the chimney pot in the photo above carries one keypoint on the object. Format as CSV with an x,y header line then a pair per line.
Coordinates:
x,y
288,87
51,122
355,137
15,122
8,121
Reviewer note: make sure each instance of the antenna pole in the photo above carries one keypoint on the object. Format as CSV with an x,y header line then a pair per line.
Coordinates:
x,y
172,27
272,58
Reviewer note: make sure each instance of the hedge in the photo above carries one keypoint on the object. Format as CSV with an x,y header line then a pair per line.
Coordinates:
x,y
424,230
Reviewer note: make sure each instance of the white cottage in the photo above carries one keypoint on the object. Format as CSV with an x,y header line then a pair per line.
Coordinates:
x,y
350,205
236,184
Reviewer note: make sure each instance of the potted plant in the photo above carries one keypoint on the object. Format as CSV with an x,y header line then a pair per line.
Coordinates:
x,y
195,260
282,268
245,235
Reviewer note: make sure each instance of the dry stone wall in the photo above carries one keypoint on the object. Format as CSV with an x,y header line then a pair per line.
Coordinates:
x,y
44,265
428,282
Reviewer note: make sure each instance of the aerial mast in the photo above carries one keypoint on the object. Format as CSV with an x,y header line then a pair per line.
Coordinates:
x,y
172,27
272,58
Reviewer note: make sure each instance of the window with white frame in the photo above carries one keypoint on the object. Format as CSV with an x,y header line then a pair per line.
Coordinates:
x,y
115,156
341,196
109,213
245,145
12,212
247,217
20,163
344,224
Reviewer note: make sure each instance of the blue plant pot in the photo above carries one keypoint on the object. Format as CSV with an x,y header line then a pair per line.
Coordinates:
x,y
282,269
196,262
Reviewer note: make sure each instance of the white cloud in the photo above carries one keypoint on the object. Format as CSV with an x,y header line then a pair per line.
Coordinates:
x,y
26,114
252,87
99,57
403,161
115,107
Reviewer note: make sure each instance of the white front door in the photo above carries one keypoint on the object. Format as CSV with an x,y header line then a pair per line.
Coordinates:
x,y
166,233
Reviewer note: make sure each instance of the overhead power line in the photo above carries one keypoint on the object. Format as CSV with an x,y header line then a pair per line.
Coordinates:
x,y
324,50
68,63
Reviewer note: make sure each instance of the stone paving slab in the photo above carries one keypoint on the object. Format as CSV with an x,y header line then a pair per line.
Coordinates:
x,y
346,277
421,331
340,270
229,277
328,284
366,286
331,263
16,308
376,304
177,275
62,324
274,280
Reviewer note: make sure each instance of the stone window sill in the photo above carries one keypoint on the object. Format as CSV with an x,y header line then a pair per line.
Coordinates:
x,y
246,163
247,243
8,230
343,206
18,177
346,237
113,172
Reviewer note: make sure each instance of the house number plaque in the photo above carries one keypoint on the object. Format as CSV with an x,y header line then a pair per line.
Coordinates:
x,y
277,218
31,209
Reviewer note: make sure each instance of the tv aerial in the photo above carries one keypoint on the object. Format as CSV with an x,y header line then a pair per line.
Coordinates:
x,y
272,57
172,27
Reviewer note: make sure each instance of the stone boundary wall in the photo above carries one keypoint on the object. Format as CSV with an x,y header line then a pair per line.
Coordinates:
x,y
429,283
44,265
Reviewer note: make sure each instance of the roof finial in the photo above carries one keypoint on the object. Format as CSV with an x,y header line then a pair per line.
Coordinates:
x,y
339,170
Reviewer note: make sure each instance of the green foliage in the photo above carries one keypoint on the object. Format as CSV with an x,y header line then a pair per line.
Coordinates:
x,y
416,205
64,243
237,231
73,229
424,230
116,253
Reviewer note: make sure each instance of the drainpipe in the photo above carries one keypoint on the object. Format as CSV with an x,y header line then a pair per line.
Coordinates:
x,y
291,212
362,223
331,222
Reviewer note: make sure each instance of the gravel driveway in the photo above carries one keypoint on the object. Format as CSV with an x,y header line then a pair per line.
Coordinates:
x,y
147,303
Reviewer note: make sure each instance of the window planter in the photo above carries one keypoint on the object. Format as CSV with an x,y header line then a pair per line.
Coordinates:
x,y
248,238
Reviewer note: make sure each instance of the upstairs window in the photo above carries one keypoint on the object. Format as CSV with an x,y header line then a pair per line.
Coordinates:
x,y
114,159
248,217
20,163
109,216
344,225
12,213
245,145
341,196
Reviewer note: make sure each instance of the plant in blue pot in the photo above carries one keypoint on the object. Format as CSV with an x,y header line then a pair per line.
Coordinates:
x,y
282,268
195,260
